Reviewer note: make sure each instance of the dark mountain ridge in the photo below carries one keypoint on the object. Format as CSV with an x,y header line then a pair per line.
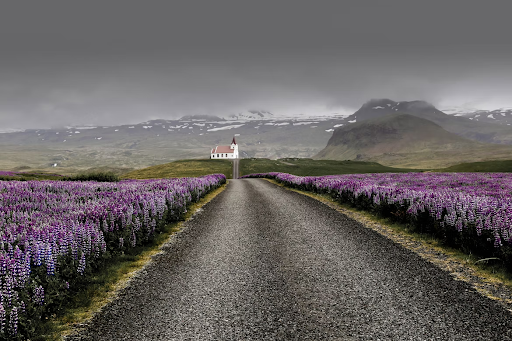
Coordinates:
x,y
408,141
462,126
201,118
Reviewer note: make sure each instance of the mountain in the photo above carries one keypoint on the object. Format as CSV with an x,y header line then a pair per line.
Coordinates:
x,y
501,116
406,140
129,146
252,115
259,134
200,118
381,107
463,126
393,133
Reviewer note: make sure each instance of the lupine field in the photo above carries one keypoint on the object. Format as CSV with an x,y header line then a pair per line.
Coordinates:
x,y
471,211
54,234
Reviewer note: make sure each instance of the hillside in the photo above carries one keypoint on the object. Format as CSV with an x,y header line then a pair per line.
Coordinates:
x,y
504,166
501,116
132,146
403,140
482,131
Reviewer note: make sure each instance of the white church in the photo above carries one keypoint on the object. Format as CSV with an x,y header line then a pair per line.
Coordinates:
x,y
225,152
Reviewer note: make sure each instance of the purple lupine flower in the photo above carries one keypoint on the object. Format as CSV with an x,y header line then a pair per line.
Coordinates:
x,y
13,321
38,296
7,294
81,264
23,307
2,318
43,220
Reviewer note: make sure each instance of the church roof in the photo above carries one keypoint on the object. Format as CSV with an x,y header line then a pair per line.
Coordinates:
x,y
223,149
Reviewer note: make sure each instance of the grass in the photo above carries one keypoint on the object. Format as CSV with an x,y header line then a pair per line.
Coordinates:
x,y
486,166
486,275
106,283
296,166
183,168
310,167
31,176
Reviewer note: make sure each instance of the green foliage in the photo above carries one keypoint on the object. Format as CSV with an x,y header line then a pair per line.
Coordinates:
x,y
94,176
30,176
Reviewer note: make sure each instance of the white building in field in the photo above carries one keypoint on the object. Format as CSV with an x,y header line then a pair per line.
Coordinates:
x,y
225,152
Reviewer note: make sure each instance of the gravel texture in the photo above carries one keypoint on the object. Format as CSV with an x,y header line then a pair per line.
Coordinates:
x,y
260,262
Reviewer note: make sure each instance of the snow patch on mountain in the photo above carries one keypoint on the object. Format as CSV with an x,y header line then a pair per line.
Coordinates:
x,y
302,123
226,127
4,131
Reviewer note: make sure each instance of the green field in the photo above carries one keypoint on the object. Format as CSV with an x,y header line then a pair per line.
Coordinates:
x,y
183,168
31,176
296,166
305,167
487,166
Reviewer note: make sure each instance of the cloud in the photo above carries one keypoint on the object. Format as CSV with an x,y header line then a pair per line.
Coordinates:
x,y
65,64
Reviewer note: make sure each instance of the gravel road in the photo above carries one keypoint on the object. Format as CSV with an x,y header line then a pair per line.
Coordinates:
x,y
263,263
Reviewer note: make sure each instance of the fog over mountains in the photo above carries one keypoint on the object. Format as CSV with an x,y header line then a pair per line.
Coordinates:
x,y
406,133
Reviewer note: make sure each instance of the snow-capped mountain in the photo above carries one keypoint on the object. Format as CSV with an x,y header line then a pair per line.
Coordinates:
x,y
498,116
252,115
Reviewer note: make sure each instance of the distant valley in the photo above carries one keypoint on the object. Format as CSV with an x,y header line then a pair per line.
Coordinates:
x,y
125,147
426,136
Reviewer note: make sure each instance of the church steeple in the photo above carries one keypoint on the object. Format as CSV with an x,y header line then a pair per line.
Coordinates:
x,y
233,142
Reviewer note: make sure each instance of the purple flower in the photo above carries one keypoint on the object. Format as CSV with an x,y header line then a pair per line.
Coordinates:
x,y
13,321
2,318
38,296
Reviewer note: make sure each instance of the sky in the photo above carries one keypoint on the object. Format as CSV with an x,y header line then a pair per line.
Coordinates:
x,y
122,62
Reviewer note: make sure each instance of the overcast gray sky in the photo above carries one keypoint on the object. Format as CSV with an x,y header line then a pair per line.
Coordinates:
x,y
107,62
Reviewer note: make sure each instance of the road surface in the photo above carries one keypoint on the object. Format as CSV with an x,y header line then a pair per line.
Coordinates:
x,y
263,263
235,168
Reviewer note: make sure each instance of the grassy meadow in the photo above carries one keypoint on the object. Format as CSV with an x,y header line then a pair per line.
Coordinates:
x,y
296,166
183,168
310,167
504,166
